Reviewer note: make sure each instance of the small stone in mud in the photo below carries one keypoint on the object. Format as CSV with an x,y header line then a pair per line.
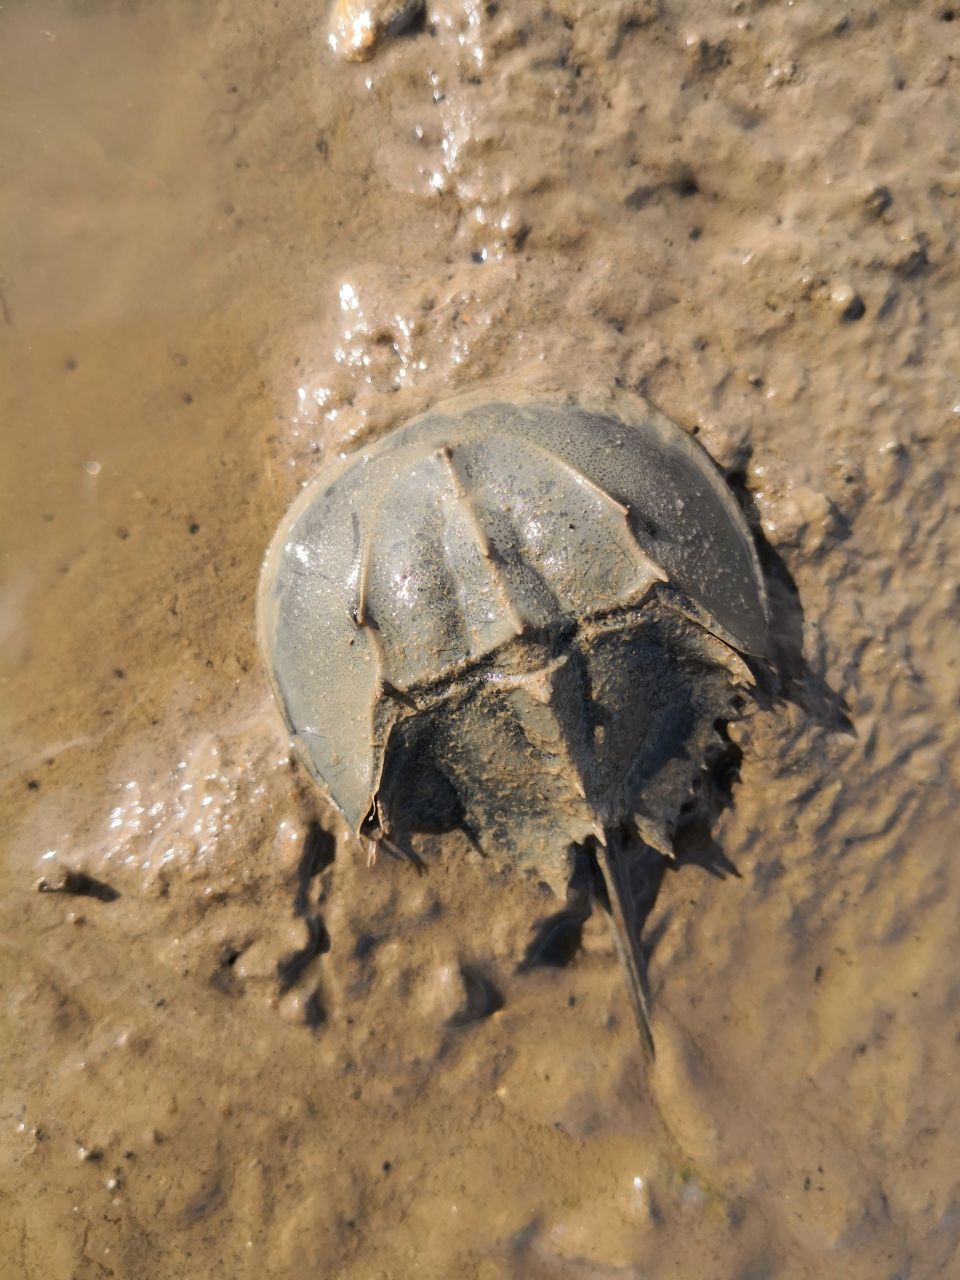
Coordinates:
x,y
358,26
849,303
855,310
78,884
194,527
878,201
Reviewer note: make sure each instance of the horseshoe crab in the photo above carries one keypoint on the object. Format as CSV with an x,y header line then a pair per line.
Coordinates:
x,y
525,621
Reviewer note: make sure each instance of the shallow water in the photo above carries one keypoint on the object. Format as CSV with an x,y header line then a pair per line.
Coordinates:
x,y
227,253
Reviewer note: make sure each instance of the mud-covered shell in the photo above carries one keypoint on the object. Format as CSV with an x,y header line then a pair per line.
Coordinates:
x,y
405,564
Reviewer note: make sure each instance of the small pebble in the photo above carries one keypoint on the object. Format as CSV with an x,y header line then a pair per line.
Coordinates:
x,y
878,201
849,303
357,26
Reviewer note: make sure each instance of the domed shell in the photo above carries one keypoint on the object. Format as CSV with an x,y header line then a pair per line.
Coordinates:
x,y
409,561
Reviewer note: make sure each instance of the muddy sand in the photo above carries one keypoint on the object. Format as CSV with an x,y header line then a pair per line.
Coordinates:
x,y
227,251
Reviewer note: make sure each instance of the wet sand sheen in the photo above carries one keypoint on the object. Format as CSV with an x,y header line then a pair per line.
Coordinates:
x,y
227,252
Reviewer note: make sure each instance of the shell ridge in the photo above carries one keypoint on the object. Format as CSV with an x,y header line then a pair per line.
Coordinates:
x,y
399,666
461,515
680,603
479,535
365,541
682,462
544,589
633,550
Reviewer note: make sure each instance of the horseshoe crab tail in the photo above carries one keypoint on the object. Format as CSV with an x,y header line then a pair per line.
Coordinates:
x,y
621,911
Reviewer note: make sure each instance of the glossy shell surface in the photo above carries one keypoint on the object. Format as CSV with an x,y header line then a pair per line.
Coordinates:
x,y
404,570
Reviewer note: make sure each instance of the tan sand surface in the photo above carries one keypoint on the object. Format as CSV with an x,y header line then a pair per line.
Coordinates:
x,y
227,252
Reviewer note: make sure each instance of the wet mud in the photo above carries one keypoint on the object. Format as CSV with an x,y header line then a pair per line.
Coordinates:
x,y
228,252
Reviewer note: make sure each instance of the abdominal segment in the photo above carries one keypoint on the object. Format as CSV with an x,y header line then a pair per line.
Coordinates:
x,y
560,739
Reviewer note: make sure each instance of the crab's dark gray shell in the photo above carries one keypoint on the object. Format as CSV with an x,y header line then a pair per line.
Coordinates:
x,y
467,561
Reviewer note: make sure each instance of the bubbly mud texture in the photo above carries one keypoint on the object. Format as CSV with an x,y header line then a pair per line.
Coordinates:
x,y
230,1048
